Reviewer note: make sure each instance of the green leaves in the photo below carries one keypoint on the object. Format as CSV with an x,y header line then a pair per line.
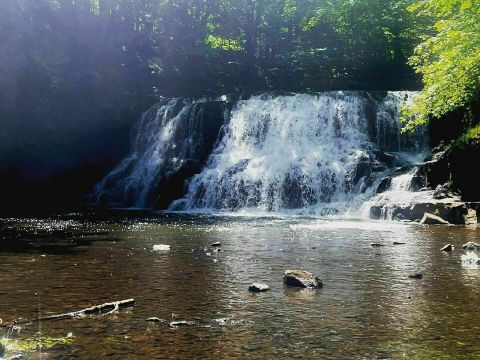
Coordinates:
x,y
448,60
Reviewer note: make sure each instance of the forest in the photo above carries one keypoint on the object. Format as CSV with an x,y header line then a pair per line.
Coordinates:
x,y
75,70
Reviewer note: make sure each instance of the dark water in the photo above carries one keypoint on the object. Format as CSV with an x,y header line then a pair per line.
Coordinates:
x,y
368,308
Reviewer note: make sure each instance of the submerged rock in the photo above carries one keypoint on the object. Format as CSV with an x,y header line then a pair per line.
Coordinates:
x,y
415,276
258,287
471,246
303,279
447,248
154,319
399,243
430,219
376,244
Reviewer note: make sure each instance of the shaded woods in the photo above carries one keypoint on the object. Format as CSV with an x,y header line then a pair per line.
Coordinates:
x,y
75,74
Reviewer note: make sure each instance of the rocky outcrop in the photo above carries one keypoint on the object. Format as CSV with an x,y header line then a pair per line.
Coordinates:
x,y
303,279
454,212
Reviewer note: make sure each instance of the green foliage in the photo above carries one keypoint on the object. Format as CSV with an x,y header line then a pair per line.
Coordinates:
x,y
448,59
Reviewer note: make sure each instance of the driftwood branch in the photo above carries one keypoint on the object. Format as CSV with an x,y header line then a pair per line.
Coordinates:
x,y
106,308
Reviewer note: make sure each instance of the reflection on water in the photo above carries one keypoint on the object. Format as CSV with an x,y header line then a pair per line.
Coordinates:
x,y
368,307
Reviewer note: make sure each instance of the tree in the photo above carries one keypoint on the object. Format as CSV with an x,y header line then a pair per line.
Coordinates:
x,y
448,59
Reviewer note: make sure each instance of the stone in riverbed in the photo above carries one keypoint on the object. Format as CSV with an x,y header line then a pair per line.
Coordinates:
x,y
447,248
430,219
471,246
161,247
398,243
415,276
303,279
216,244
258,287
376,244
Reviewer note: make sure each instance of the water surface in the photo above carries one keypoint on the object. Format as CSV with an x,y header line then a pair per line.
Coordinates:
x,y
368,308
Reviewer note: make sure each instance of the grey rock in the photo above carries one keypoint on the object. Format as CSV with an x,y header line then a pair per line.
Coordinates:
x,y
398,243
471,246
303,279
258,287
430,219
216,244
447,248
16,357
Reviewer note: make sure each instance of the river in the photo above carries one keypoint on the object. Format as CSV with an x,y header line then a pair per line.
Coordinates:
x,y
368,307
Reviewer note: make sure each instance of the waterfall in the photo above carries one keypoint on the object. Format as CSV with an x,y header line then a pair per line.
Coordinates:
x,y
171,141
315,154
319,154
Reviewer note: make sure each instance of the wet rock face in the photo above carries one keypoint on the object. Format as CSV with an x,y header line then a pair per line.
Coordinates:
x,y
302,279
471,246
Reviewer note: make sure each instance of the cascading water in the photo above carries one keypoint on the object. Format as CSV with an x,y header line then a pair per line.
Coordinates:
x,y
317,154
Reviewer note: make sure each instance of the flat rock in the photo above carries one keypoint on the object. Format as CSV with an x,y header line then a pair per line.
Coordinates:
x,y
303,279
471,246
161,247
398,243
258,287
447,248
430,219
216,244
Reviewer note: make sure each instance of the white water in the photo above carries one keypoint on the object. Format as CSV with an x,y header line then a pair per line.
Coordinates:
x,y
138,172
302,154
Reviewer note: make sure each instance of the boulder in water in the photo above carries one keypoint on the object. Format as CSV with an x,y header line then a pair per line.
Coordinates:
x,y
216,244
258,287
303,279
430,219
471,246
447,248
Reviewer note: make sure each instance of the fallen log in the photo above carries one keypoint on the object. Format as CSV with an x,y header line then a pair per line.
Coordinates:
x,y
104,309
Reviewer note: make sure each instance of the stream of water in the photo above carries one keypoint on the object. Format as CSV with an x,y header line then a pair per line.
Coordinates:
x,y
368,308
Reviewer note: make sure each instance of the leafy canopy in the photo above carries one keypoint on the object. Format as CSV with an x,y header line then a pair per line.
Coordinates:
x,y
448,59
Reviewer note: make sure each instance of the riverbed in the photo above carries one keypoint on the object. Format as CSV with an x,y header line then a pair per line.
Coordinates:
x,y
368,308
